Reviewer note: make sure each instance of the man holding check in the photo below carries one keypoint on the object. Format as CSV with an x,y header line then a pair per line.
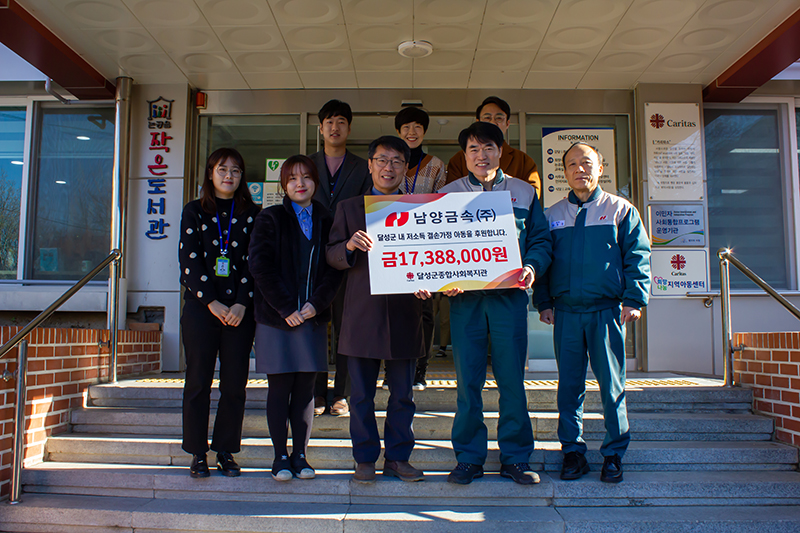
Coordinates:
x,y
502,313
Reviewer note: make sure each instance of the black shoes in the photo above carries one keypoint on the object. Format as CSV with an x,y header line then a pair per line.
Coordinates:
x,y
612,469
300,466
199,466
521,473
464,473
282,469
227,465
574,466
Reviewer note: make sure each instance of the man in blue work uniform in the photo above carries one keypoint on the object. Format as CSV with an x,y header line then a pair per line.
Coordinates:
x,y
598,282
503,313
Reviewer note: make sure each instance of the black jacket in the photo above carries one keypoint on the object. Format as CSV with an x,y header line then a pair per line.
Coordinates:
x,y
274,263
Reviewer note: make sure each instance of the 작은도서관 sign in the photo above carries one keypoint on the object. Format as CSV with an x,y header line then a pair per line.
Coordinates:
x,y
442,241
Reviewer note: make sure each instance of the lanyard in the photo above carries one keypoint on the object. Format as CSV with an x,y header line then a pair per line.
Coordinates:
x,y
224,251
335,177
414,185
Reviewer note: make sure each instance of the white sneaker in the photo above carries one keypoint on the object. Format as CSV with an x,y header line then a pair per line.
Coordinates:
x,y
419,386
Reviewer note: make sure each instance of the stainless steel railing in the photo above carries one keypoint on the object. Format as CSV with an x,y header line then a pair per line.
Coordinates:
x,y
727,258
22,359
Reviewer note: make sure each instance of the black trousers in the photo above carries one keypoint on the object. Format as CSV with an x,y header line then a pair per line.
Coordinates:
x,y
398,435
204,336
341,380
290,400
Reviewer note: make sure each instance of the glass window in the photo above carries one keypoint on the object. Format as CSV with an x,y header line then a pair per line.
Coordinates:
x,y
256,137
71,193
746,193
12,147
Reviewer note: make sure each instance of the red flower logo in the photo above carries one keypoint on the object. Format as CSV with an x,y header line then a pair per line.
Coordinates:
x,y
657,121
410,276
678,262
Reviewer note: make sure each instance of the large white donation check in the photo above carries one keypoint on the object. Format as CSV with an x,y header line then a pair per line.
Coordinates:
x,y
441,241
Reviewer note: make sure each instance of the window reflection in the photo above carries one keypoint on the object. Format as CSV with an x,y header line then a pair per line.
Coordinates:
x,y
72,198
12,146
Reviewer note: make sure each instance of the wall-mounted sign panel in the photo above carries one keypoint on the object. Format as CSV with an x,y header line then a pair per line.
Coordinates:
x,y
677,225
676,272
272,191
555,141
674,152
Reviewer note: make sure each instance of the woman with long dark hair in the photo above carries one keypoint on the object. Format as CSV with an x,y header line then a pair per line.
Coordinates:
x,y
294,290
218,309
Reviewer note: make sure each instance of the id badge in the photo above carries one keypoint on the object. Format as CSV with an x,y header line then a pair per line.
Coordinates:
x,y
223,267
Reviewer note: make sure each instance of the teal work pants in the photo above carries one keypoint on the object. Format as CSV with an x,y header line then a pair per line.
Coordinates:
x,y
600,335
473,316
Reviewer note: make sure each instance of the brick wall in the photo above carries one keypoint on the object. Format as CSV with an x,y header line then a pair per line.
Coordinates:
x,y
62,363
770,364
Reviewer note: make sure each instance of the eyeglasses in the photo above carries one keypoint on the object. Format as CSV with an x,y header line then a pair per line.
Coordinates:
x,y
397,164
235,172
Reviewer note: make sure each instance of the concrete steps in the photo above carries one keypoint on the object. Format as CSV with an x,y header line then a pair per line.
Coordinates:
x,y
440,396
334,487
96,514
432,425
430,455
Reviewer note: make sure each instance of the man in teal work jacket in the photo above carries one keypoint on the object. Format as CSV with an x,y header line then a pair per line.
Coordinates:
x,y
599,281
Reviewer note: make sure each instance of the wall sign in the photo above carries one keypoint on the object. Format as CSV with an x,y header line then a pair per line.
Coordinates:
x,y
674,152
677,225
676,272
272,190
555,141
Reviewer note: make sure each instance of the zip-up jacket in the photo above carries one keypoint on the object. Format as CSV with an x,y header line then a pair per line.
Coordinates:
x,y
535,243
601,256
275,265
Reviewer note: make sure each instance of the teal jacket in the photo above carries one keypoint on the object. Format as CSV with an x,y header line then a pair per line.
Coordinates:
x,y
535,244
601,256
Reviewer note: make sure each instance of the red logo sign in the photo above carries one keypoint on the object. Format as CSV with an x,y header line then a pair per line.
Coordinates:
x,y
396,219
678,262
410,276
657,121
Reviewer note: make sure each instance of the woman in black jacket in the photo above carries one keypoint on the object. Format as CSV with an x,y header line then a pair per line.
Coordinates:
x,y
294,290
218,309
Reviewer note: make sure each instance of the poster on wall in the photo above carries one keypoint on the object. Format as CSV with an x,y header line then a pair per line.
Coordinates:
x,y
555,141
676,272
674,152
272,191
677,225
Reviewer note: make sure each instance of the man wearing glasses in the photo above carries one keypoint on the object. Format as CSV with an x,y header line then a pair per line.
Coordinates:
x,y
377,328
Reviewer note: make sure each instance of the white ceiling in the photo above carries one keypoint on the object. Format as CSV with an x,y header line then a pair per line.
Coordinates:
x,y
509,44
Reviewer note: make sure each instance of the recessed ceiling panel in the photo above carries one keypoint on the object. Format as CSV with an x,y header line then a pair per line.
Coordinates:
x,y
381,60
449,11
378,37
330,36
345,79
166,13
705,39
589,12
271,61
684,62
621,61
588,37
496,79
453,79
552,80
520,11
608,80
503,60
377,11
184,40
273,80
98,14
446,60
322,60
401,79
205,62
510,37
448,36
135,64
561,60
307,11
218,80
251,38
732,12
120,42
236,12
662,12
639,38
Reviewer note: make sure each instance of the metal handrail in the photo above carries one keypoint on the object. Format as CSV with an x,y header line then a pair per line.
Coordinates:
x,y
726,258
22,360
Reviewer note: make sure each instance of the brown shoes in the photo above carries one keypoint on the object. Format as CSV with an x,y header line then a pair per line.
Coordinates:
x,y
365,473
339,407
319,405
402,470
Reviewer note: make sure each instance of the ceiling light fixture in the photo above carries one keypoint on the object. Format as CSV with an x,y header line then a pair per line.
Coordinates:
x,y
61,182
415,49
16,162
83,138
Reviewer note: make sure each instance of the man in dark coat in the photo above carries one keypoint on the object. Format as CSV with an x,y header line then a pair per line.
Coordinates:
x,y
377,328
342,175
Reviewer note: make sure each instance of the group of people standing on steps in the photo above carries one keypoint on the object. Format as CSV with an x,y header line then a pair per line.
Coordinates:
x,y
279,276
